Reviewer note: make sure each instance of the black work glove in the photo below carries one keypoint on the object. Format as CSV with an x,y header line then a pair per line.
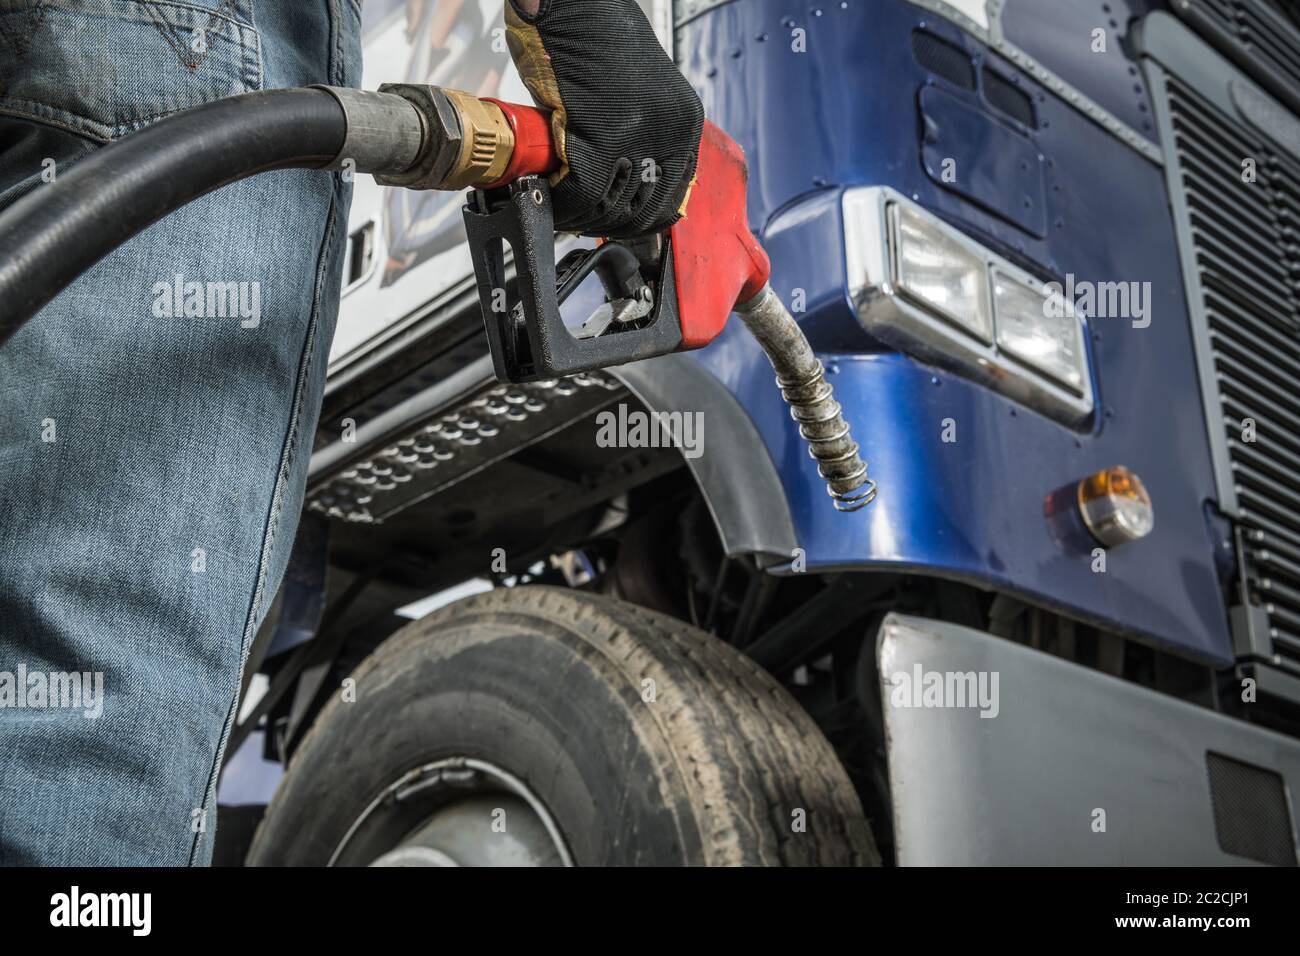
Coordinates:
x,y
627,125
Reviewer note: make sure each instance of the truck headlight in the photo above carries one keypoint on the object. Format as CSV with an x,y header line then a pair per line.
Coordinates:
x,y
1039,327
939,273
927,289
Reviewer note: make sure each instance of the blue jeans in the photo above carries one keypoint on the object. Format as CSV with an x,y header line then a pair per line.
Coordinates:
x,y
152,461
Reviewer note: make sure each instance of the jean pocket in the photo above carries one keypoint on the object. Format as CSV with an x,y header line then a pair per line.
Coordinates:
x,y
102,68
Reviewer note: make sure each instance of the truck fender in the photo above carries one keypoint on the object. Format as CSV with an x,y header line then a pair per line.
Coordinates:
x,y
736,474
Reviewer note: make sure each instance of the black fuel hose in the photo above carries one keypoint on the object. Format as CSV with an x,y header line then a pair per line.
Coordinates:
x,y
59,230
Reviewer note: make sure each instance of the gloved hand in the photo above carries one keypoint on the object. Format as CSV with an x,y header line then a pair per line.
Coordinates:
x,y
626,123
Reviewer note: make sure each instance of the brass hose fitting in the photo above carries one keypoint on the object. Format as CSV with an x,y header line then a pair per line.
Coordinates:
x,y
487,142
466,141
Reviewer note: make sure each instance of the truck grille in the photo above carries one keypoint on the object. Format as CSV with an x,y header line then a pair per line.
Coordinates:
x,y
1260,36
1246,256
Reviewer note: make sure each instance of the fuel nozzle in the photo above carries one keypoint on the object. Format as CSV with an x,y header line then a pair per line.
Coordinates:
x,y
708,264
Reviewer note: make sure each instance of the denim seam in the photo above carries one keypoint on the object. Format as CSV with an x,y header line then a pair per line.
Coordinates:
x,y
277,501
189,59
260,66
336,28
36,117
78,124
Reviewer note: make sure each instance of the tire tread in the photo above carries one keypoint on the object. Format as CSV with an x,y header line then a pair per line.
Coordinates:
x,y
746,751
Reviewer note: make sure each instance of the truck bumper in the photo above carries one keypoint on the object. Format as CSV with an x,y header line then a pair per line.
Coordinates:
x,y
1001,754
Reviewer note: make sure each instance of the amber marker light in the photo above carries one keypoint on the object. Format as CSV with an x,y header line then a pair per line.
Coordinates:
x,y
1115,506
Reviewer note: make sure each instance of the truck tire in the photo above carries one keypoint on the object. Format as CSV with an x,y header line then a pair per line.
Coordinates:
x,y
537,725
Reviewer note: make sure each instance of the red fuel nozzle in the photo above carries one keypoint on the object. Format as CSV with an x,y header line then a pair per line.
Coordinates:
x,y
711,266
718,261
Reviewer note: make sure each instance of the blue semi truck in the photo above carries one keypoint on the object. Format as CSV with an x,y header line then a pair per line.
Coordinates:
x,y
1048,251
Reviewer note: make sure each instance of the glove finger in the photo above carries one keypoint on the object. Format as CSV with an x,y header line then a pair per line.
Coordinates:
x,y
611,208
538,73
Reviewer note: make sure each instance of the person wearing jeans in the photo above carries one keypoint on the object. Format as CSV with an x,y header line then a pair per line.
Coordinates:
x,y
153,456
